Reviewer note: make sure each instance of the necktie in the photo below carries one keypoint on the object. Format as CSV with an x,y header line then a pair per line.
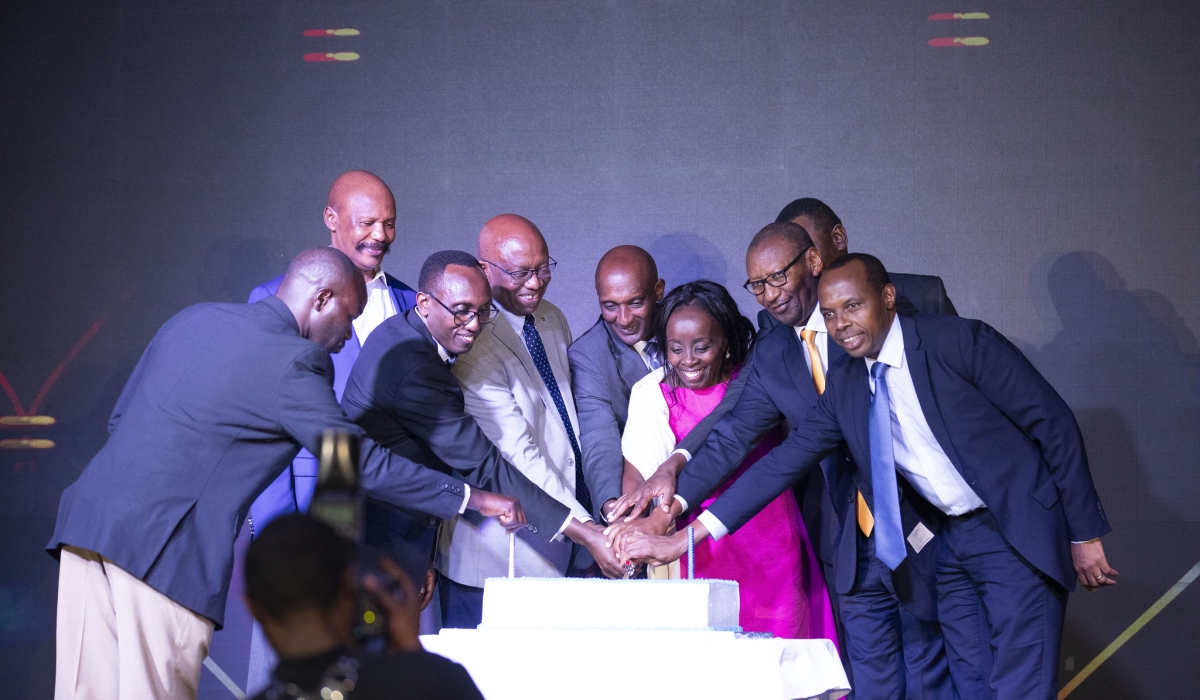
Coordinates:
x,y
537,351
863,513
650,350
889,533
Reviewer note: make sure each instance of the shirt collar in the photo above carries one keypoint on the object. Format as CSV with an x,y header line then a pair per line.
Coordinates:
x,y
892,352
517,322
379,281
442,353
816,322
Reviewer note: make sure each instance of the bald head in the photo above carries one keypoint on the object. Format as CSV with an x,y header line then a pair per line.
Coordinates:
x,y
517,262
628,288
325,292
361,218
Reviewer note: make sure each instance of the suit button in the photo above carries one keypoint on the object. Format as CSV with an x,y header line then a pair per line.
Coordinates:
x,y
445,486
432,522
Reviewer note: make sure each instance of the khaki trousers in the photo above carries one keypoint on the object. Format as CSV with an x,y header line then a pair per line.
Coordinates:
x,y
120,638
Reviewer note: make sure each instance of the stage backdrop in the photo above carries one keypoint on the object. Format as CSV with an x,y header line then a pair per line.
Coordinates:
x,y
1040,157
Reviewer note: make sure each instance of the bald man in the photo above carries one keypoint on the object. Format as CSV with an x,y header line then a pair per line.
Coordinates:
x,y
221,401
360,214
516,383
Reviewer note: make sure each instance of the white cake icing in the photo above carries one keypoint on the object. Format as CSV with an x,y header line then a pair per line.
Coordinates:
x,y
597,604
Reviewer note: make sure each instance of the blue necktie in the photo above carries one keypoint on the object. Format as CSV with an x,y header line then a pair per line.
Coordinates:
x,y
889,533
533,341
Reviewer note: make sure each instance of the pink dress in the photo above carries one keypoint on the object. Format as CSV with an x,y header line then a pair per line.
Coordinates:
x,y
771,557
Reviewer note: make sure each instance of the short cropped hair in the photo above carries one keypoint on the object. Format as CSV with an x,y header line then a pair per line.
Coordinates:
x,y
296,563
815,209
434,267
782,230
877,274
325,265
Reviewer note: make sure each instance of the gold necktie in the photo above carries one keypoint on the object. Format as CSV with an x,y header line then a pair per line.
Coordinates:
x,y
866,521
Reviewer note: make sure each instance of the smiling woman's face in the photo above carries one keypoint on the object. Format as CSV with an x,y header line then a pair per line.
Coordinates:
x,y
695,347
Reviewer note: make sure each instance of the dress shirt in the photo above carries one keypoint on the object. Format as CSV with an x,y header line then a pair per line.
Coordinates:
x,y
919,457
518,326
816,322
640,348
379,308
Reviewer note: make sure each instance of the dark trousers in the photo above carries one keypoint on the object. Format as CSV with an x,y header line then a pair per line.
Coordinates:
x,y
893,653
1024,609
462,606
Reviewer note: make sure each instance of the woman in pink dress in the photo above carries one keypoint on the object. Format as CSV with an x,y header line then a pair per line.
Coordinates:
x,y
704,340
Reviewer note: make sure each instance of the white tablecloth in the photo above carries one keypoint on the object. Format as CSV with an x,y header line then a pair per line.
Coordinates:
x,y
521,664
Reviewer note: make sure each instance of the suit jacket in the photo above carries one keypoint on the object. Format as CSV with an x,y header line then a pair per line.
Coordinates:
x,y
220,402
781,391
1003,427
401,392
603,371
281,496
506,394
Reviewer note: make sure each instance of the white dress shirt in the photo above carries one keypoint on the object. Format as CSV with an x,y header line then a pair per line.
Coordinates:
x,y
446,358
379,308
919,457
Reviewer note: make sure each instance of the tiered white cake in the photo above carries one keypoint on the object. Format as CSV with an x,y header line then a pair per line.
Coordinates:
x,y
600,604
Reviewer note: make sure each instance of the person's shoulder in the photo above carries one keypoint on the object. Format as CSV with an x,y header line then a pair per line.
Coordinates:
x,y
775,337
396,284
417,675
593,340
549,313
266,289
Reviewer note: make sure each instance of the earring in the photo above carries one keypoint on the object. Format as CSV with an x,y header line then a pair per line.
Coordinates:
x,y
726,354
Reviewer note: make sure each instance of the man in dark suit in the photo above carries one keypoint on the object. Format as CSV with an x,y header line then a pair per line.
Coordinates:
x,y
890,639
924,293
220,402
609,359
947,411
401,391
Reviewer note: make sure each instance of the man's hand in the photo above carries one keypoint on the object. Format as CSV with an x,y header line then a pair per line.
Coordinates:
x,y
404,615
1091,565
590,535
425,595
656,523
652,549
661,483
506,508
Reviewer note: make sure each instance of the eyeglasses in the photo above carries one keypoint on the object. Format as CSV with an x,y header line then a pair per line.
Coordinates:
x,y
521,276
775,279
464,317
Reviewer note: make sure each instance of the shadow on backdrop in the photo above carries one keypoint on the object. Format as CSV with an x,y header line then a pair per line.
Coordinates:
x,y
1127,364
684,257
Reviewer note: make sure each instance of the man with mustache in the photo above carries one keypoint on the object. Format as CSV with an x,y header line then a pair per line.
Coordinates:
x,y
361,217
946,414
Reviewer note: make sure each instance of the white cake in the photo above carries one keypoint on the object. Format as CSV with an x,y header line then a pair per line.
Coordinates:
x,y
600,604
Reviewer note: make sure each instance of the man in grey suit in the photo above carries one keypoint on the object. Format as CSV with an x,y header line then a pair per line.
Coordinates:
x,y
516,382
221,401
609,359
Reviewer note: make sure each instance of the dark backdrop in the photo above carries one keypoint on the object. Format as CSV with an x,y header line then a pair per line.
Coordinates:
x,y
154,155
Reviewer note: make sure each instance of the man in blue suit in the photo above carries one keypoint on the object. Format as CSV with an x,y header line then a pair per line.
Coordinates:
x,y
220,402
890,641
947,411
361,217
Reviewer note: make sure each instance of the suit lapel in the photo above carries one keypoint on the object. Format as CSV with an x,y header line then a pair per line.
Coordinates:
x,y
918,369
797,367
508,337
630,366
